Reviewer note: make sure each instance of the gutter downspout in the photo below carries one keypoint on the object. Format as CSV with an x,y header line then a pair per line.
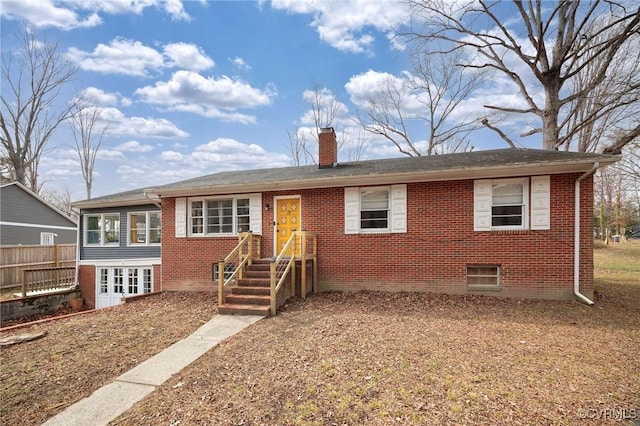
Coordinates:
x,y
576,237
77,281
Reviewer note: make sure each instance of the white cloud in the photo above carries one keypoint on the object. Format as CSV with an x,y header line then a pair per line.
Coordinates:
x,y
118,124
131,57
133,146
218,155
46,13
171,156
101,98
71,14
121,56
187,56
240,63
347,25
211,97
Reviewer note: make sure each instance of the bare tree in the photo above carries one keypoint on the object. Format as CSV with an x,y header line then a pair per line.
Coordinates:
x,y
606,114
33,79
425,99
62,201
323,111
87,144
554,48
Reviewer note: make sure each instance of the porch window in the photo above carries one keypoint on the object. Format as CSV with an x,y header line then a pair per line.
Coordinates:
x,y
102,229
222,216
145,228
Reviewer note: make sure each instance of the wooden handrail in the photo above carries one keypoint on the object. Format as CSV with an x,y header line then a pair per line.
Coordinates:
x,y
47,279
244,258
303,246
288,250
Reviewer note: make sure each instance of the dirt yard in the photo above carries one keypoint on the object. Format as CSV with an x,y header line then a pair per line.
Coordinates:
x,y
354,359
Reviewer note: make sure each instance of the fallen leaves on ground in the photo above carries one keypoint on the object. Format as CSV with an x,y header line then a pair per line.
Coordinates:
x,y
412,359
82,353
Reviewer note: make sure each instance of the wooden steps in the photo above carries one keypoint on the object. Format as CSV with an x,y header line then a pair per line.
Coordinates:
x,y
251,294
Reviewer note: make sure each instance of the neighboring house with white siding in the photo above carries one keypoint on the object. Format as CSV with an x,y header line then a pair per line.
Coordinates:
x,y
27,219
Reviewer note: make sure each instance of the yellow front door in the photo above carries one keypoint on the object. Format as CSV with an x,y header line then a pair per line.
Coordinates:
x,y
287,221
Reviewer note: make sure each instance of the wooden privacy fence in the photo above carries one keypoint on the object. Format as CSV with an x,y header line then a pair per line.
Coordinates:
x,y
15,259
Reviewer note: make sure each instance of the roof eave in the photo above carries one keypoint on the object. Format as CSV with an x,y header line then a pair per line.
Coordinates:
x,y
481,172
89,204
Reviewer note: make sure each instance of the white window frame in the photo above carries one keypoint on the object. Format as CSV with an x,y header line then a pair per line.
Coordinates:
x,y
386,229
147,228
397,209
47,238
234,224
101,220
525,203
483,204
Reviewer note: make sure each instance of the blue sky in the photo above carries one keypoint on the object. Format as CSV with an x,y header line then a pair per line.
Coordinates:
x,y
196,87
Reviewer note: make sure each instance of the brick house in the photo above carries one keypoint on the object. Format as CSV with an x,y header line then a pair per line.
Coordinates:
x,y
508,222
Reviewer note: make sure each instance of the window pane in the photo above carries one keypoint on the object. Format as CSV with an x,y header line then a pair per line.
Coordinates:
x,y
374,200
93,230
118,280
155,228
146,280
374,209
112,228
137,228
242,215
374,219
220,216
506,216
507,193
133,281
104,281
197,217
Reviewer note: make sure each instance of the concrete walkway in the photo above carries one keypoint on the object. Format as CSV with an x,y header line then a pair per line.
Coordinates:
x,y
108,402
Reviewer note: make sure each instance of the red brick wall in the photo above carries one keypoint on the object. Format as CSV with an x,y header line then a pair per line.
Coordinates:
x,y
431,256
87,280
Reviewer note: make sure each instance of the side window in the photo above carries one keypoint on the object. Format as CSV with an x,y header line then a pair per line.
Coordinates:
x,y
508,203
503,204
374,209
46,238
102,229
145,228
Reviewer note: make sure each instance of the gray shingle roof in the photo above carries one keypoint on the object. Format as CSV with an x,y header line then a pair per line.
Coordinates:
x,y
437,167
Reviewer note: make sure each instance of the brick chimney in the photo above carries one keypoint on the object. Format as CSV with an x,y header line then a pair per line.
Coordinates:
x,y
327,149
